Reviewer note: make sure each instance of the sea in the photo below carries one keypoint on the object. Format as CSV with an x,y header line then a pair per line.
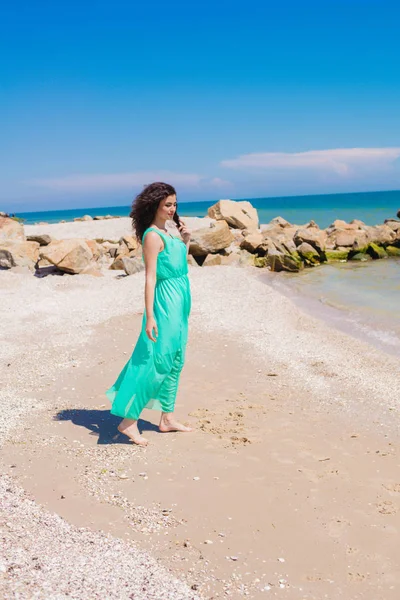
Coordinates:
x,y
362,299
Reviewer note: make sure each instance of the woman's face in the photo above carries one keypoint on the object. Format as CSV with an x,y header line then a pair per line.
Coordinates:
x,y
167,208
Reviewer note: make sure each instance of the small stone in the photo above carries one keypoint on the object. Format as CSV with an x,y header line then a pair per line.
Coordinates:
x,y
234,557
123,476
208,542
281,559
196,478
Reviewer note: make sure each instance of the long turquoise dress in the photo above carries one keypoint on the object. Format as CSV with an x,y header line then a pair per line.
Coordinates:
x,y
150,377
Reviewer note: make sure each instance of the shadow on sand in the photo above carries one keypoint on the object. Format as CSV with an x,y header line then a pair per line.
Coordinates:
x,y
101,423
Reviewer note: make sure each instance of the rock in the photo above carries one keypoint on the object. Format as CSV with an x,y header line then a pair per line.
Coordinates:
x,y
96,249
84,218
360,224
261,262
246,259
10,229
336,255
376,251
348,238
311,235
209,240
98,218
339,224
6,259
309,254
42,239
393,251
113,251
311,224
281,222
251,242
393,224
360,256
71,256
398,214
93,270
15,253
381,234
130,242
132,265
277,261
232,260
240,215
118,265
212,260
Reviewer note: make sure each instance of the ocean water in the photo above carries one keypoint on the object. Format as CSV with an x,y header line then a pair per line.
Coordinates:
x,y
370,207
362,299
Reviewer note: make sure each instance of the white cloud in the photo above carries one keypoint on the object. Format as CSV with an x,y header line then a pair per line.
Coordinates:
x,y
341,160
116,181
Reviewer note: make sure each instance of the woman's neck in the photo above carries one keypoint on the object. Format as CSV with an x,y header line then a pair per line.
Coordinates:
x,y
160,224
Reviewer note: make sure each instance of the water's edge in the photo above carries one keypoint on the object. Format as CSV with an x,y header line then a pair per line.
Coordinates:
x,y
373,324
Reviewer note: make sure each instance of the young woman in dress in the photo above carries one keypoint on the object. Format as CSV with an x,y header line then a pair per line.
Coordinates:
x,y
151,376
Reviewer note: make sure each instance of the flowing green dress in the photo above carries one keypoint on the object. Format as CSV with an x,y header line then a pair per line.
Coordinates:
x,y
150,377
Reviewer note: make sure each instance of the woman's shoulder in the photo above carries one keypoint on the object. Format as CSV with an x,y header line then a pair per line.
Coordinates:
x,y
152,236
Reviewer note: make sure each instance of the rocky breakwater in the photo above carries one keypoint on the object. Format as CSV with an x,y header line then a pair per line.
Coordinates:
x,y
235,238
230,235
283,246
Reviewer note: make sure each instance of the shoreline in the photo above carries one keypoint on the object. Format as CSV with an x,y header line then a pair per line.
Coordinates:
x,y
380,334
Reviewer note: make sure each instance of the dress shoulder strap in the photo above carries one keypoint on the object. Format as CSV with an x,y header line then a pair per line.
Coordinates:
x,y
162,235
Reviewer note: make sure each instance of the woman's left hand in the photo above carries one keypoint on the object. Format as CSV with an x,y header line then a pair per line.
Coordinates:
x,y
185,232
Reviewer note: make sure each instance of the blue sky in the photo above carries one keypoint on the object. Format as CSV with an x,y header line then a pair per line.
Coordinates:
x,y
222,99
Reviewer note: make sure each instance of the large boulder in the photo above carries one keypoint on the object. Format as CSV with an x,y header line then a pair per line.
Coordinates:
x,y
132,265
348,238
42,239
376,251
71,256
10,229
277,261
309,254
212,239
15,253
382,234
252,241
339,224
240,215
393,224
336,255
311,235
281,222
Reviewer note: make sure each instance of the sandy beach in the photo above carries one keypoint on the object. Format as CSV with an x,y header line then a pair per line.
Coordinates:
x,y
289,487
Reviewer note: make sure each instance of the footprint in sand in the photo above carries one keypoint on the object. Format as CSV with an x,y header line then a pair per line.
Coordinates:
x,y
386,507
392,487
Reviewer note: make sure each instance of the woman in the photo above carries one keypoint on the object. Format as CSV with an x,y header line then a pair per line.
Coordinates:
x,y
151,376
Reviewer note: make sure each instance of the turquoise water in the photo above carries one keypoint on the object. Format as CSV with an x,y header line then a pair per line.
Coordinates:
x,y
362,299
370,207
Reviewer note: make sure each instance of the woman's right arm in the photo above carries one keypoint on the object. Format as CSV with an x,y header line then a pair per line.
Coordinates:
x,y
151,247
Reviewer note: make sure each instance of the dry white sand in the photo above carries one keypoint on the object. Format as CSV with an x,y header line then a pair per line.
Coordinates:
x,y
108,229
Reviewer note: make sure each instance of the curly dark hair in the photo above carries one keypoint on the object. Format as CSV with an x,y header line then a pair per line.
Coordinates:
x,y
145,205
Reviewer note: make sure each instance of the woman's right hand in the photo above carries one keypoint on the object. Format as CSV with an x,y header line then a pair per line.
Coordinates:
x,y
150,326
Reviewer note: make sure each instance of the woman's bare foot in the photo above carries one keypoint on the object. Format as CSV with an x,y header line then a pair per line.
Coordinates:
x,y
129,428
170,424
